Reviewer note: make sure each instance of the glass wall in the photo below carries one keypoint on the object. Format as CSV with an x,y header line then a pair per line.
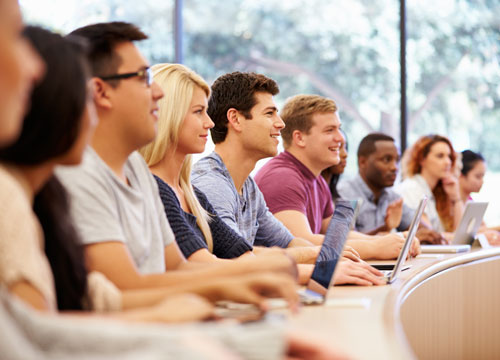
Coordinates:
x,y
345,49
154,17
454,79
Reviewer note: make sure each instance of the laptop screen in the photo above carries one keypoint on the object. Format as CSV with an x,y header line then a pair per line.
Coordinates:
x,y
470,222
333,245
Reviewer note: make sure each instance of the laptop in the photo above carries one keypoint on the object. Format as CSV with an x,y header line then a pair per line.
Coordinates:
x,y
330,253
322,275
391,275
466,230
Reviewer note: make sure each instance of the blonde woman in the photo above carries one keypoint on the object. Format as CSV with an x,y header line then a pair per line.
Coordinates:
x,y
183,128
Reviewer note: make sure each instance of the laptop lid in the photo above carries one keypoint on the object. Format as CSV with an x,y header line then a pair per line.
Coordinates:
x,y
469,223
332,247
415,222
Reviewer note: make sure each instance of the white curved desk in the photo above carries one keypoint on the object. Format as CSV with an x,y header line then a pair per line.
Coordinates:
x,y
446,308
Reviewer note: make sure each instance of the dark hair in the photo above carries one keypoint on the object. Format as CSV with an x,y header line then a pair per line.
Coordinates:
x,y
235,90
469,160
367,144
50,129
103,38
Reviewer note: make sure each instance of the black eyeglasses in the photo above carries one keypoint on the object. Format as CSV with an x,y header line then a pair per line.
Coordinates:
x,y
145,74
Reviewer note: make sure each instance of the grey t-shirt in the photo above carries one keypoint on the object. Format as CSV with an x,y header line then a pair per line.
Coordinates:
x,y
104,209
371,215
246,214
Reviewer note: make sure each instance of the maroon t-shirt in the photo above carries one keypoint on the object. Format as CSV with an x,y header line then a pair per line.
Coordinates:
x,y
287,184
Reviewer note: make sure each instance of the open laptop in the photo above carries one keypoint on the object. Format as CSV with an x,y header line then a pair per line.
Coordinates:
x,y
330,253
324,268
391,275
466,230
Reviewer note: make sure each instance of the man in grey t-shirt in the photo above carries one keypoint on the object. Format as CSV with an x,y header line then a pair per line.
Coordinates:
x,y
245,213
224,175
105,208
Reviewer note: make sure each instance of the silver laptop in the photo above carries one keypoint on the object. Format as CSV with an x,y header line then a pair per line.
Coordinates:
x,y
330,253
398,267
466,230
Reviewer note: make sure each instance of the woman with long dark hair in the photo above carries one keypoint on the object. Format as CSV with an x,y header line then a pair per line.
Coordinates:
x,y
471,181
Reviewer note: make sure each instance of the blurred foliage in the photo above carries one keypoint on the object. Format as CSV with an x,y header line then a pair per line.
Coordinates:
x,y
345,49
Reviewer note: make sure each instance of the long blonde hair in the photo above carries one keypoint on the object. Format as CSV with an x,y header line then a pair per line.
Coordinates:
x,y
178,83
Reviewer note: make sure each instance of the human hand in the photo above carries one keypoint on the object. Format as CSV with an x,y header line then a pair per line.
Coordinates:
x,y
415,244
301,346
181,308
493,237
350,253
256,288
274,260
388,247
357,273
393,214
429,236
451,187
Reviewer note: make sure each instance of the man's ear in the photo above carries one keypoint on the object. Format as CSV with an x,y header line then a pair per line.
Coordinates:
x,y
362,161
298,139
234,119
101,93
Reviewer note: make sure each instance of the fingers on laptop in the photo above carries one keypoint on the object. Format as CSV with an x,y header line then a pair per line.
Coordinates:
x,y
256,288
358,273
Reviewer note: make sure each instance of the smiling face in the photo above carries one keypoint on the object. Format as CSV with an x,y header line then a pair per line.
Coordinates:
x,y
193,134
321,145
473,181
260,133
379,169
20,67
134,103
340,167
438,161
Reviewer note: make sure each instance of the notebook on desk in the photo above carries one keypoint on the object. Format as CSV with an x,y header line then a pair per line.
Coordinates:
x,y
466,230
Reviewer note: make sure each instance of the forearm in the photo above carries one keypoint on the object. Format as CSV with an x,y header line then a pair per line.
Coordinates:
x,y
365,248
313,239
356,235
458,210
305,272
377,230
304,255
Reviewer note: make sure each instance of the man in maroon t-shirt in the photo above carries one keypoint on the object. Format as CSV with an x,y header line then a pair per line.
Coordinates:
x,y
292,184
293,187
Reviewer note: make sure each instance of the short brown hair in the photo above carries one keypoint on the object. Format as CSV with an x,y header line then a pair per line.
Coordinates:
x,y
235,90
298,111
